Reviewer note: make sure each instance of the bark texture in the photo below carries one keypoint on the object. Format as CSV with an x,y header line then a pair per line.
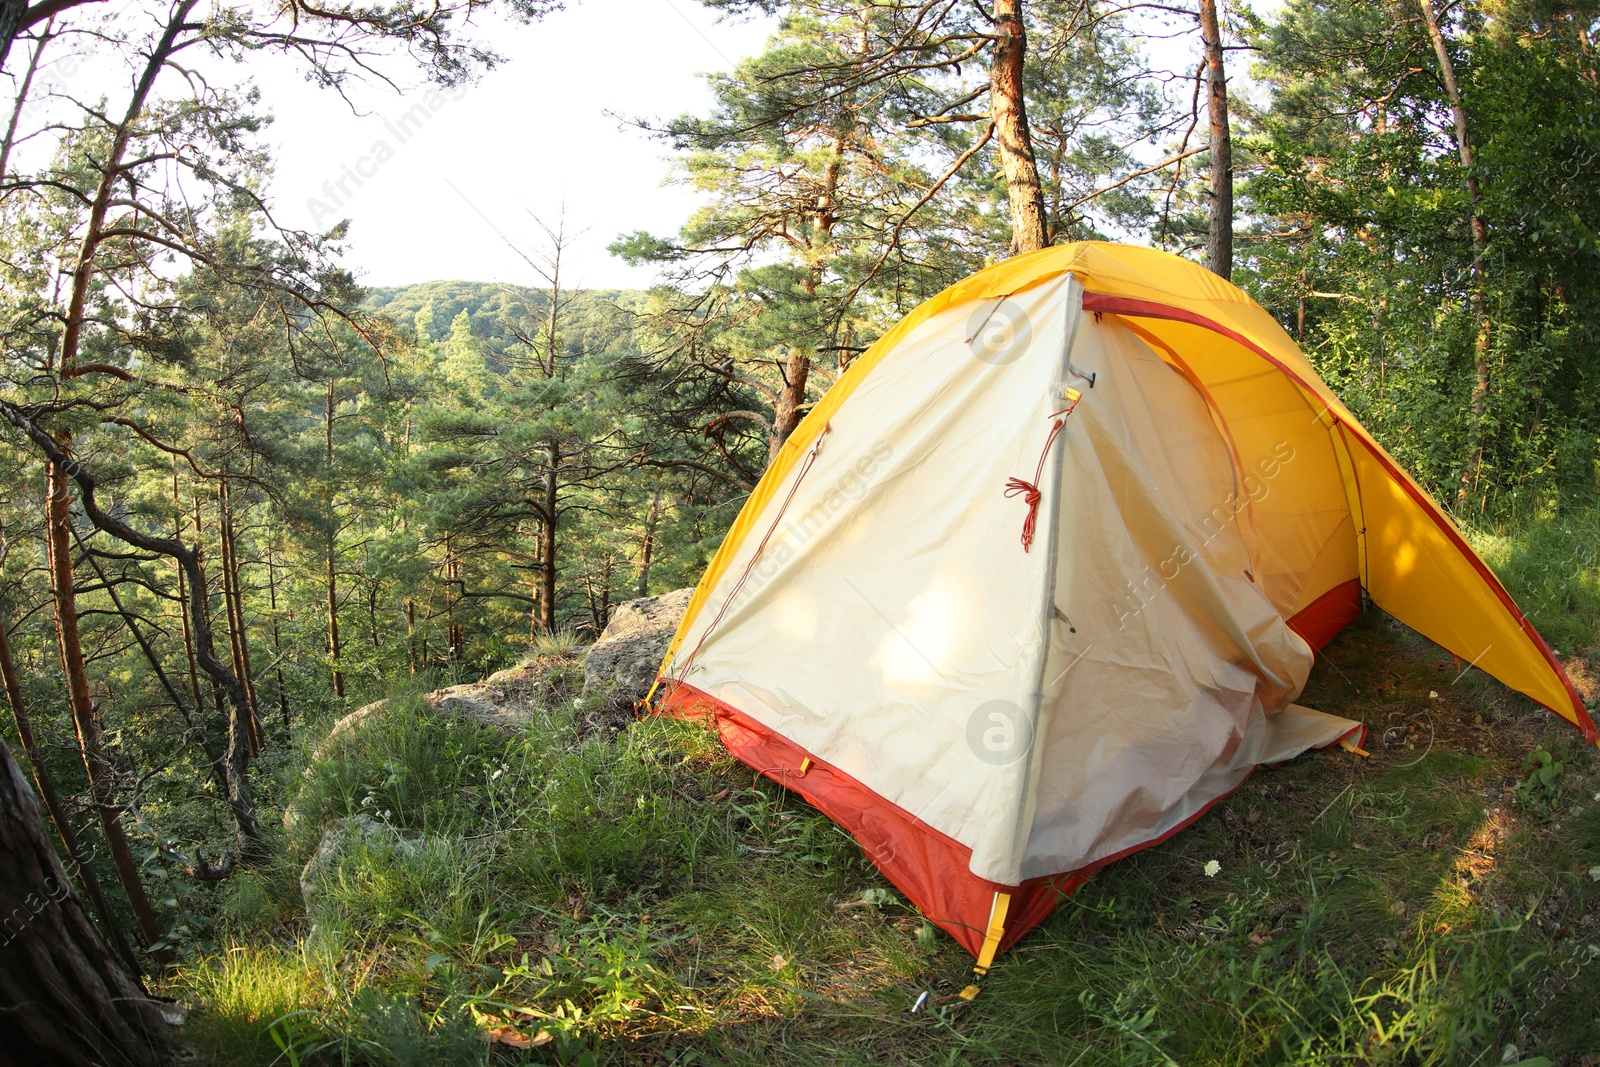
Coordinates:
x,y
1219,241
66,998
1480,246
547,535
52,800
85,716
789,406
1010,117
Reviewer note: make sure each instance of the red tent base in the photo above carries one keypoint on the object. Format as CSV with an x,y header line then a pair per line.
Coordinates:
x,y
930,868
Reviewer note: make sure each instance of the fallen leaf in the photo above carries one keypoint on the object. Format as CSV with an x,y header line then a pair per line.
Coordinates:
x,y
511,1037
778,962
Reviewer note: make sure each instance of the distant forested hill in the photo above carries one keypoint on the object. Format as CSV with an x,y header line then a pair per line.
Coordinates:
x,y
489,306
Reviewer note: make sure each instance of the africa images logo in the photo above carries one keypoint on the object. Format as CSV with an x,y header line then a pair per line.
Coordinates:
x,y
999,732
998,334
848,487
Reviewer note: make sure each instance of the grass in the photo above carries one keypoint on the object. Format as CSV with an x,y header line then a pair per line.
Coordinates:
x,y
646,900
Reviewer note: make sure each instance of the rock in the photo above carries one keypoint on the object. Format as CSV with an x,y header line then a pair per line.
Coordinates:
x,y
629,652
335,839
482,703
500,700
349,725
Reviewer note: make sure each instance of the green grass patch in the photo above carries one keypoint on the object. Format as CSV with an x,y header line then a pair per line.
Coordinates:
x,y
648,900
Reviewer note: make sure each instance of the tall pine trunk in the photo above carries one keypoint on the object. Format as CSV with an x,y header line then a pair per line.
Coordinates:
x,y
1219,241
277,638
69,1000
331,589
330,562
237,706
548,532
1010,116
411,634
647,549
58,509
1472,471
183,600
201,585
58,811
238,639
786,411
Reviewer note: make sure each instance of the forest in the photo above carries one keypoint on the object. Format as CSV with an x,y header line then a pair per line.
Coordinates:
x,y
243,495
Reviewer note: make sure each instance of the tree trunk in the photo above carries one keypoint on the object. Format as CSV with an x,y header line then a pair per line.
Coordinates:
x,y
58,518
1473,469
58,812
277,638
599,602
454,635
547,593
238,640
6,8
331,581
791,398
411,634
237,705
183,600
68,998
1011,129
1219,242
372,616
201,585
648,548
196,719
330,572
58,509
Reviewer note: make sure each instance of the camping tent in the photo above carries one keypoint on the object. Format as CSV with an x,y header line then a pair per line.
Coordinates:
x,y
1038,580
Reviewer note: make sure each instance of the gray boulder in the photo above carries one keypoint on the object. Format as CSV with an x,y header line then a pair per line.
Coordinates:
x,y
627,655
401,846
501,700
335,841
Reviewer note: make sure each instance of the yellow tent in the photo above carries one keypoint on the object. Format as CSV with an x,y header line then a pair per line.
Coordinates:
x,y
1039,578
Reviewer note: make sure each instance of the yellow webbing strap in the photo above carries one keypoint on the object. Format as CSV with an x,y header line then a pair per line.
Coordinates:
x,y
997,929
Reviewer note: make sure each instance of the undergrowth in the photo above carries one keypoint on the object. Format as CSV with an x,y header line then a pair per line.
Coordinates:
x,y
647,900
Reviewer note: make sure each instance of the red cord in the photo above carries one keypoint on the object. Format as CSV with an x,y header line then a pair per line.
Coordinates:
x,y
1029,491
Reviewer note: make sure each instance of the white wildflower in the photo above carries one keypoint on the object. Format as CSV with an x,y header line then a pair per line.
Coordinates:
x,y
1212,868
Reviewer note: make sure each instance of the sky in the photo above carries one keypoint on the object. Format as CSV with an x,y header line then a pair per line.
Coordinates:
x,y
439,186
449,185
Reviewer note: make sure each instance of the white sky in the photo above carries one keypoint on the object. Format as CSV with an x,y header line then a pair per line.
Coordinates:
x,y
530,136
426,194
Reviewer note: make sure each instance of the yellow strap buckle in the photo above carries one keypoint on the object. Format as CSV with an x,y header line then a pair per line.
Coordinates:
x,y
991,938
